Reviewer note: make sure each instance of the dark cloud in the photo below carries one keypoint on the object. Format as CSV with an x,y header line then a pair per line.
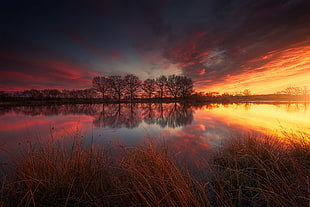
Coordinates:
x,y
78,39
26,65
208,41
239,32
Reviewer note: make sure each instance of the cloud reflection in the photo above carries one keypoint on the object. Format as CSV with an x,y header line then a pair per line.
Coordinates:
x,y
170,115
189,129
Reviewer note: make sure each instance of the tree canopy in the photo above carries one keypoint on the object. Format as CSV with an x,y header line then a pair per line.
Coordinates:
x,y
130,86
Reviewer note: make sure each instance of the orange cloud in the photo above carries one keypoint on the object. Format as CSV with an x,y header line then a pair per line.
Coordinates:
x,y
280,69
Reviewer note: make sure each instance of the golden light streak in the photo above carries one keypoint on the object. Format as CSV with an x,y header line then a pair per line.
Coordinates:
x,y
281,69
264,118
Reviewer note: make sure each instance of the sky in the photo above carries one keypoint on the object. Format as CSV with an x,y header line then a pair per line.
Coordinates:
x,y
223,45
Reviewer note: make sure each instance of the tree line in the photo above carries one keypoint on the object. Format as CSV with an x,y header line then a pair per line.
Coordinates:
x,y
295,91
118,87
50,93
131,87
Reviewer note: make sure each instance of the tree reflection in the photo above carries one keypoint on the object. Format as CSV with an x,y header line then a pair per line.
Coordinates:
x,y
129,115
49,110
117,116
173,115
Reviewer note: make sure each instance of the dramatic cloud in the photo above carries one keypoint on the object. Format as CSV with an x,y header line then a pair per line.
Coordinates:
x,y
215,55
35,67
222,45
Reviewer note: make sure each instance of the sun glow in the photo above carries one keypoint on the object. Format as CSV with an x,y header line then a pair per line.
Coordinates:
x,y
272,72
267,119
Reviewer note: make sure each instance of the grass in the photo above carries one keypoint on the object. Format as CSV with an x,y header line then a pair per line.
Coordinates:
x,y
263,172
247,171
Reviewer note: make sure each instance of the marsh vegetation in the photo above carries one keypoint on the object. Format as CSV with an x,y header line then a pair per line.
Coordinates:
x,y
247,171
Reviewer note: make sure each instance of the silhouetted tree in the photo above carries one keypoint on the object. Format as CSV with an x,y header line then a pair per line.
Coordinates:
x,y
149,87
293,90
212,94
246,92
132,85
179,86
187,86
55,93
161,85
17,94
88,93
33,93
64,93
4,94
101,84
305,91
117,85
174,84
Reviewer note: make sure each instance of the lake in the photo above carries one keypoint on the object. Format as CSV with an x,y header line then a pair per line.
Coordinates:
x,y
189,129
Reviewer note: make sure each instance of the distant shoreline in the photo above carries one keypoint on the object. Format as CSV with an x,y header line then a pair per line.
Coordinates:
x,y
266,98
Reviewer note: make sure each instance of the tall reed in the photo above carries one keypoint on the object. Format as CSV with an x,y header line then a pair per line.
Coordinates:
x,y
247,171
254,171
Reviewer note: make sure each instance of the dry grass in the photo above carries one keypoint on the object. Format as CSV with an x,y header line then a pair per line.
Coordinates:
x,y
262,172
156,180
59,174
248,171
56,174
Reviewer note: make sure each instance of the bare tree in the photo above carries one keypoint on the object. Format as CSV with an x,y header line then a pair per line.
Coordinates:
x,y
161,85
186,85
117,85
212,94
4,94
132,85
101,84
32,93
293,90
65,93
179,86
305,91
174,84
149,87
86,93
246,92
54,93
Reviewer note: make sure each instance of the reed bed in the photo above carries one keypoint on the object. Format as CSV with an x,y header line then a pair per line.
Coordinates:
x,y
253,171
246,171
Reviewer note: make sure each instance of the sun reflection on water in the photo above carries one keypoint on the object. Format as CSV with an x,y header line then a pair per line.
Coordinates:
x,y
269,119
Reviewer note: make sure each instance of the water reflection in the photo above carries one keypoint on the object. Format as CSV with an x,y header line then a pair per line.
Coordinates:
x,y
268,119
118,116
187,128
130,116
295,107
49,110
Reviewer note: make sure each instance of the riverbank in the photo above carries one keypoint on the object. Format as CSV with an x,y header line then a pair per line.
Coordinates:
x,y
247,171
266,98
55,101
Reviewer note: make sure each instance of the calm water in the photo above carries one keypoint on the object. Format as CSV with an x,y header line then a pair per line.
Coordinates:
x,y
188,129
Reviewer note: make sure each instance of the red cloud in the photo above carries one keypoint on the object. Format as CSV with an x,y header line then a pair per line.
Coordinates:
x,y
189,52
16,75
30,72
